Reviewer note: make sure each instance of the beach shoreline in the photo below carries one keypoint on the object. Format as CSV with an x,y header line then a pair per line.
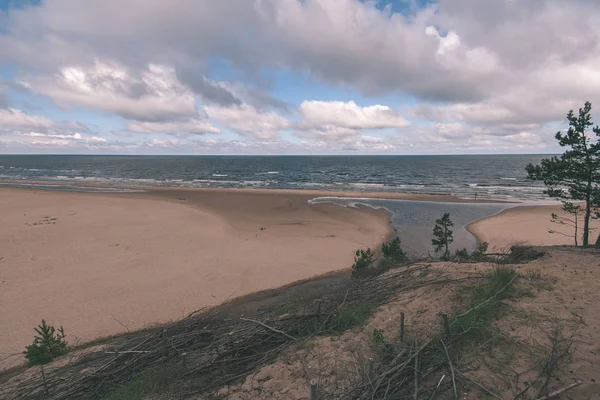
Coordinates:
x,y
444,198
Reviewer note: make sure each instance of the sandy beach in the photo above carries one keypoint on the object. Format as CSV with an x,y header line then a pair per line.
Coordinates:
x,y
102,264
526,225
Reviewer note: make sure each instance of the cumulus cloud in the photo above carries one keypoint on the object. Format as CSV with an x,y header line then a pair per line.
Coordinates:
x,y
341,41
206,88
350,115
51,140
152,93
192,126
247,120
13,118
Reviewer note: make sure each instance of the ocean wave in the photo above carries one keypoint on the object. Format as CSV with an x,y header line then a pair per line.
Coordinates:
x,y
219,175
367,185
529,189
508,179
268,173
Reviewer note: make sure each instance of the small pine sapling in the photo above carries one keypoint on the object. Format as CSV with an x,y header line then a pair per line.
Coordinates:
x,y
393,251
47,345
362,259
443,235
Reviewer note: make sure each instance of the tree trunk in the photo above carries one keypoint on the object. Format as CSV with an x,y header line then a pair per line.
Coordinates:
x,y
576,228
586,222
446,239
598,242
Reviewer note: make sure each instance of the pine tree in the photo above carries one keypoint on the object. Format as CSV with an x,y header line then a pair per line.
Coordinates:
x,y
47,344
575,175
443,234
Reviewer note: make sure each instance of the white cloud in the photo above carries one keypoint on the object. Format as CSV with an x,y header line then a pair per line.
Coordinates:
x,y
14,118
192,126
51,140
350,115
495,73
248,121
153,93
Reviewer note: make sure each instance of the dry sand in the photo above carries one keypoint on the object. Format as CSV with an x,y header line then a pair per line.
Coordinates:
x,y
101,264
526,225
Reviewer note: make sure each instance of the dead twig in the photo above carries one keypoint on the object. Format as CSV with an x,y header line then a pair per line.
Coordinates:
x,y
451,370
416,395
479,385
437,387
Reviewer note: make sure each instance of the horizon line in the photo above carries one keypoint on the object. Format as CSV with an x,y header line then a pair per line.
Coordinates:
x,y
276,155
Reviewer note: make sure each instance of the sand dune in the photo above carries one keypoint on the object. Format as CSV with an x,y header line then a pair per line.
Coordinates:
x,y
100,264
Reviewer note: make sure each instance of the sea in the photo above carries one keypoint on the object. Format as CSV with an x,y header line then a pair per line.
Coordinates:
x,y
500,178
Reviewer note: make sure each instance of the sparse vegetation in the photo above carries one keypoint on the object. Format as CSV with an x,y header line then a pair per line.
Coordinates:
x,y
575,211
392,250
519,254
48,220
480,252
461,255
48,344
362,259
400,369
575,175
443,235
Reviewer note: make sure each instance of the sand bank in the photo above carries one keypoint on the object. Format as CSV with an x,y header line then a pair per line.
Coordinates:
x,y
525,225
101,264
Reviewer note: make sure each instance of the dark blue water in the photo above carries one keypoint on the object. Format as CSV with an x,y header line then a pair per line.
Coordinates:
x,y
487,176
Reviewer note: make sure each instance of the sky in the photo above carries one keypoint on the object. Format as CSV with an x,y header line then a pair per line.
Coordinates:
x,y
294,76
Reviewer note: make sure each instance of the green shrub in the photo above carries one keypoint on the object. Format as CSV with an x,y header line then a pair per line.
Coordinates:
x,y
47,345
461,255
392,250
362,259
479,253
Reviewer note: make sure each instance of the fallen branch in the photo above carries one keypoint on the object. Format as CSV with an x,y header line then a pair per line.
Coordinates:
x,y
479,385
559,391
416,395
437,387
488,300
451,370
269,328
126,352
